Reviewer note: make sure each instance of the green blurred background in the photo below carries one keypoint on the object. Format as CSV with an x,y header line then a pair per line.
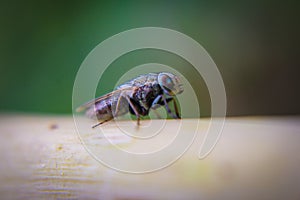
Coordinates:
x,y
255,44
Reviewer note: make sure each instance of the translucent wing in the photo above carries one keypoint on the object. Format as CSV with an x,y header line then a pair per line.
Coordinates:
x,y
88,104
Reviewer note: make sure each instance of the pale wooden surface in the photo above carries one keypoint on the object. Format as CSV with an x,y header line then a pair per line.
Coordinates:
x,y
256,158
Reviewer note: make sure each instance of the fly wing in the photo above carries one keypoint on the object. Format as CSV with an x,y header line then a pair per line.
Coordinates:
x,y
91,103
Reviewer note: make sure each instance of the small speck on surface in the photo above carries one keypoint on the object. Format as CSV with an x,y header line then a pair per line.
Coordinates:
x,y
59,147
53,126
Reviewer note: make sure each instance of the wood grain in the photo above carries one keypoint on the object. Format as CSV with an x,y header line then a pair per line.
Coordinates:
x,y
42,157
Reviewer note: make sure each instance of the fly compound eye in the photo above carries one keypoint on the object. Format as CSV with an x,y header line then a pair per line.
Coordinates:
x,y
166,82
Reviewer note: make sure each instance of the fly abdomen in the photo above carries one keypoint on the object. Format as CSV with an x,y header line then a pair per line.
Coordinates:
x,y
101,110
109,108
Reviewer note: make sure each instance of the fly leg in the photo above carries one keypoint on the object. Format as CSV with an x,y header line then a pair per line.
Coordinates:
x,y
155,105
168,108
134,110
161,100
176,108
117,109
94,126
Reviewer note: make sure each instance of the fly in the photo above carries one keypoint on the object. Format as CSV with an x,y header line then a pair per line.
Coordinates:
x,y
137,96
